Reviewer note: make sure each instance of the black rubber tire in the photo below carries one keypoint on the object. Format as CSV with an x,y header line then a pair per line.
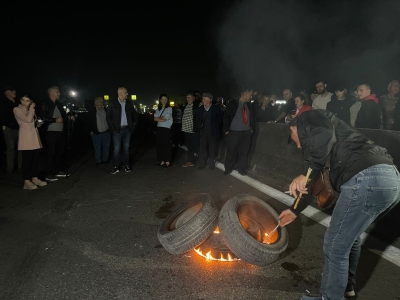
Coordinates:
x,y
240,242
189,225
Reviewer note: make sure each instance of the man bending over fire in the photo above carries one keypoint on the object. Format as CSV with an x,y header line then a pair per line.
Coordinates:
x,y
368,182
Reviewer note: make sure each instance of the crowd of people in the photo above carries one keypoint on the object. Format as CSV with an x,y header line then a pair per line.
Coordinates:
x,y
207,123
358,107
202,124
20,120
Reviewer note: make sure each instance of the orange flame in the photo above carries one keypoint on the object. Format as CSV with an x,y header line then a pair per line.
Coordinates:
x,y
216,230
210,257
266,239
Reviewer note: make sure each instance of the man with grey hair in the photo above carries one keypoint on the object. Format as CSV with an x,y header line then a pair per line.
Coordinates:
x,y
98,128
53,115
388,103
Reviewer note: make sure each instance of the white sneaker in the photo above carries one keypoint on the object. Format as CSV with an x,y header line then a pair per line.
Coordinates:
x,y
30,186
38,182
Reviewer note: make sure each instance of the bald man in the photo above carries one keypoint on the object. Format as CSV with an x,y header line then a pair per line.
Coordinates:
x,y
287,108
121,119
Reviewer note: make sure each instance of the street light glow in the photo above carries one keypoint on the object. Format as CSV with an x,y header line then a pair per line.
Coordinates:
x,y
72,93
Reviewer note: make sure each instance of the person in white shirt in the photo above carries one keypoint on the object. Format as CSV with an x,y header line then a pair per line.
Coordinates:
x,y
324,96
164,119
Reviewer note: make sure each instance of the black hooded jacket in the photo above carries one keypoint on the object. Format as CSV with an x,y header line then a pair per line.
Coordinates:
x,y
321,134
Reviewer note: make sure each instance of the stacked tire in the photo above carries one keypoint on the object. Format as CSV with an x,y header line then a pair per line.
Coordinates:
x,y
242,222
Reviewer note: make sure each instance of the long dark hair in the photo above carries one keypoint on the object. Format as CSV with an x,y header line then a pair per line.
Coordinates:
x,y
27,95
160,104
302,98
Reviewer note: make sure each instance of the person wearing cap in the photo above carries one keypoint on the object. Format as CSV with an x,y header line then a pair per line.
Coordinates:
x,y
340,104
239,123
10,127
209,121
369,184
355,108
314,94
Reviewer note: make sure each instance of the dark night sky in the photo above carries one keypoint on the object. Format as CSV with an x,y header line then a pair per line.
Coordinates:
x,y
211,46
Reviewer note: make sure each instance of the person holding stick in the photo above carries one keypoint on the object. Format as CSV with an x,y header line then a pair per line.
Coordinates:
x,y
369,185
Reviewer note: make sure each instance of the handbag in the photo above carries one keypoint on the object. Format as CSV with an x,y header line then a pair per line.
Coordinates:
x,y
322,189
321,186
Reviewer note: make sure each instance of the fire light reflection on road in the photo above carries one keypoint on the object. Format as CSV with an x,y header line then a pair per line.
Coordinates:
x,y
214,249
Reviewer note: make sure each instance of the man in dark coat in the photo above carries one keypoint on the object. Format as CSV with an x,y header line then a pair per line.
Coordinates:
x,y
121,119
54,116
369,115
239,124
209,121
98,129
10,127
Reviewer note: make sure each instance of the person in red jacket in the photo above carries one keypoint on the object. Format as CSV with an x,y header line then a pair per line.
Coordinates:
x,y
300,108
369,115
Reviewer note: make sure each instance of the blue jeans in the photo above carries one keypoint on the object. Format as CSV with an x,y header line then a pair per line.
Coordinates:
x,y
101,142
123,136
362,199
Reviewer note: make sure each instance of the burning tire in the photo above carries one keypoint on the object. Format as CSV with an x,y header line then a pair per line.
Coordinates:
x,y
243,222
189,225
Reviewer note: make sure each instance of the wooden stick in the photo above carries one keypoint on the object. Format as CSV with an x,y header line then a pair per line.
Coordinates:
x,y
305,183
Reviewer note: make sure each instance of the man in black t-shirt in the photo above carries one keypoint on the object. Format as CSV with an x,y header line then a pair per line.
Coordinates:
x,y
340,104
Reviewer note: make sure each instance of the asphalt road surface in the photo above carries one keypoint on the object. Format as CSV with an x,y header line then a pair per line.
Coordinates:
x,y
94,236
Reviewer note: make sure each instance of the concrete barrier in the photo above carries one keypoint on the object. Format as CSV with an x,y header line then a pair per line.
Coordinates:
x,y
274,156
